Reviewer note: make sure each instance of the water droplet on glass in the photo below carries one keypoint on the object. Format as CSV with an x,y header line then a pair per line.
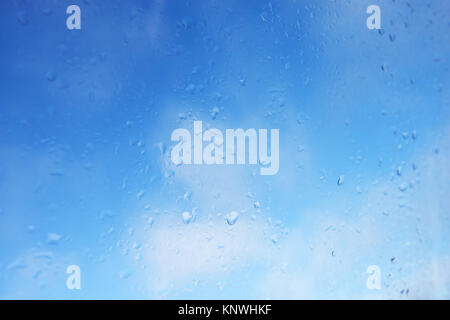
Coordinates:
x,y
136,245
214,112
62,84
22,17
232,217
47,11
161,146
187,196
50,76
140,194
274,238
187,217
43,255
36,274
18,264
340,180
53,238
125,274
190,88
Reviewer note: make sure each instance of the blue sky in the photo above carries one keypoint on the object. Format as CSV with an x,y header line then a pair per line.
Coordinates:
x,y
85,171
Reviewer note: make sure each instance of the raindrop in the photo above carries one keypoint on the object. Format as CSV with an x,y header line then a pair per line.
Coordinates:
x,y
187,217
47,11
106,214
22,17
50,76
140,194
187,195
195,70
43,255
340,180
18,264
53,238
169,173
161,146
37,274
125,274
214,112
274,238
232,217
61,84
136,246
190,88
